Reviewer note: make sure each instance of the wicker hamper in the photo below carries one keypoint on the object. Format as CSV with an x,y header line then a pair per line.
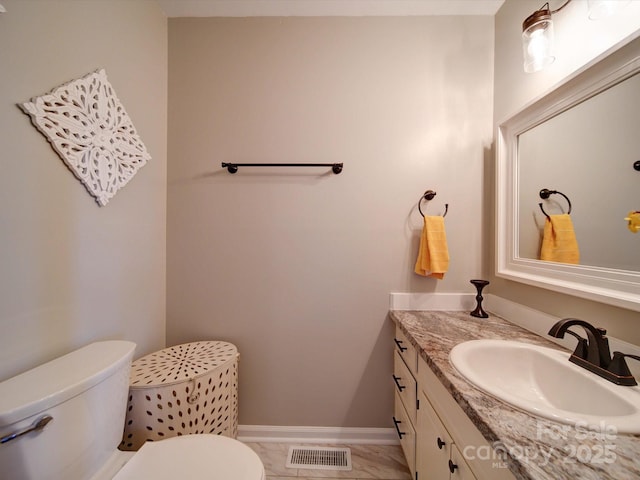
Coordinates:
x,y
189,388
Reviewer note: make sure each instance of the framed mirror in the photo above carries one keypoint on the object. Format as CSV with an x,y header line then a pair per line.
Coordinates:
x,y
581,140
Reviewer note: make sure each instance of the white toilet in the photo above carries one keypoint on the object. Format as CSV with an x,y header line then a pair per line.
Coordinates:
x,y
64,421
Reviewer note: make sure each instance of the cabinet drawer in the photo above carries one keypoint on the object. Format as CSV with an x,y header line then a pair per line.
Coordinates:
x,y
406,432
405,385
406,350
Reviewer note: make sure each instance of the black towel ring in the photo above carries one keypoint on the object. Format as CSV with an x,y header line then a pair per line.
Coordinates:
x,y
546,193
429,195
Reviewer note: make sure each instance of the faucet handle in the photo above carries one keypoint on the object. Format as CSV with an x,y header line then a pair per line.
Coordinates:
x,y
581,350
620,369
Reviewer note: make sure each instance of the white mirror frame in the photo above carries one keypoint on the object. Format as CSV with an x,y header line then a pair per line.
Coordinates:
x,y
611,286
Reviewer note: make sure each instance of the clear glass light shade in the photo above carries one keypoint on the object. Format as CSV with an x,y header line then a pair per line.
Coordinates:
x,y
537,43
605,8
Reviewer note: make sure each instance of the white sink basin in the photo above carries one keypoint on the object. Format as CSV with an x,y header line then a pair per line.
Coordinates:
x,y
543,382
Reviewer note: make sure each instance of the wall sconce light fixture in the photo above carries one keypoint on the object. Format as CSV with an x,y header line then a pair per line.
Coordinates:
x,y
537,30
537,38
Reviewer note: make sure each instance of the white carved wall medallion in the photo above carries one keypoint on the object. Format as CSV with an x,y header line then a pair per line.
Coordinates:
x,y
89,129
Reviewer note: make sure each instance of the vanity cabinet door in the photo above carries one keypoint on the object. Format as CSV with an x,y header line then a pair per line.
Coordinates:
x,y
461,470
434,397
433,444
437,457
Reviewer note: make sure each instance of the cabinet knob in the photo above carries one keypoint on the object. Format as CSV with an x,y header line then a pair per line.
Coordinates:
x,y
441,443
399,344
452,466
397,380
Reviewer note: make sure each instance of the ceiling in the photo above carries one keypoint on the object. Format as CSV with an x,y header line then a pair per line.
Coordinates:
x,y
311,8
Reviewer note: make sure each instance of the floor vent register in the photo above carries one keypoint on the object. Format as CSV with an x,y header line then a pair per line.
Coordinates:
x,y
319,458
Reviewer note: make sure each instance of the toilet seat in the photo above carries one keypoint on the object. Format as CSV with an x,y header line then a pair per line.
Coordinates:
x,y
191,457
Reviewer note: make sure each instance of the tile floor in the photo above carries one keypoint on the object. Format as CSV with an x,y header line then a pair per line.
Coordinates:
x,y
380,462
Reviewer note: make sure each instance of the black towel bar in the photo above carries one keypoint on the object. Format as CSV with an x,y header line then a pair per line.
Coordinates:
x,y
233,167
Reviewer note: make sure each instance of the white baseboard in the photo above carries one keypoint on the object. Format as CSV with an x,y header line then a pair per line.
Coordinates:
x,y
335,435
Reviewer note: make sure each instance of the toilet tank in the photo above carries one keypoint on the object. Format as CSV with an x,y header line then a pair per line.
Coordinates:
x,y
85,392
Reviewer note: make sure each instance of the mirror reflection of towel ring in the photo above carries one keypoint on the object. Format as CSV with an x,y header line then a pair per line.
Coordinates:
x,y
429,195
545,193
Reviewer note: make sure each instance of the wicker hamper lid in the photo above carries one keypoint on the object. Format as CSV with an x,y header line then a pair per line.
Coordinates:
x,y
179,363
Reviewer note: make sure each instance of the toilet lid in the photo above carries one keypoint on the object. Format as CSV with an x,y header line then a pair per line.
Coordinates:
x,y
191,457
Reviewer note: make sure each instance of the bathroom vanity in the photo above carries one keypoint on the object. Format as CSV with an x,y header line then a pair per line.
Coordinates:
x,y
450,429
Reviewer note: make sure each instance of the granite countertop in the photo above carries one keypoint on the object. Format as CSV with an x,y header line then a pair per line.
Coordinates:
x,y
539,449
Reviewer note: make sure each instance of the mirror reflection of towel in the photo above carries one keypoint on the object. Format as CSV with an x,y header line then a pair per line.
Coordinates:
x,y
433,256
559,242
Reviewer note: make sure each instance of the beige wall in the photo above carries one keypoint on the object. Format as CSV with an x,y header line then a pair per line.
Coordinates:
x,y
295,266
73,272
578,41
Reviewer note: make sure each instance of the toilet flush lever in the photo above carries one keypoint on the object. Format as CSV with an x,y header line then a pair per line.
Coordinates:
x,y
35,427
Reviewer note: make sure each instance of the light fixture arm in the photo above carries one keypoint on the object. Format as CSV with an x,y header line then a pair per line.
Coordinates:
x,y
559,8
546,9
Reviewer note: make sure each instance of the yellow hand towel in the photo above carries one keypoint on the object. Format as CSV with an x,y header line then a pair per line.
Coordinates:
x,y
433,256
559,242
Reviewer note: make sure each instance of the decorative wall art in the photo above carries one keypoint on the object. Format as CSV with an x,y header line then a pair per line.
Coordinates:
x,y
90,130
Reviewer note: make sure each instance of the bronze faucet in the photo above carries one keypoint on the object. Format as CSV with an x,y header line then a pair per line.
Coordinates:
x,y
593,352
